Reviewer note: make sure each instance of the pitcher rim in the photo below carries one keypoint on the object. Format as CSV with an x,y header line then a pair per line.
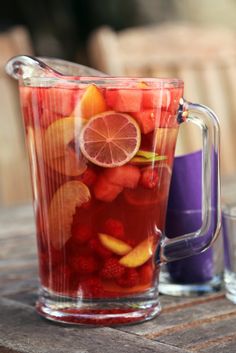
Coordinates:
x,y
43,70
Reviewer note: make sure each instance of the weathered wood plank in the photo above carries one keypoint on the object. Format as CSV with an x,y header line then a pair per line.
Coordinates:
x,y
175,320
18,248
7,350
226,344
198,333
27,297
16,221
22,329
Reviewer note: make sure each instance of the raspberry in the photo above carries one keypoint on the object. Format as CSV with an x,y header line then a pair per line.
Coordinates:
x,y
146,273
149,178
89,177
112,269
84,264
131,242
99,249
92,287
114,227
129,279
82,233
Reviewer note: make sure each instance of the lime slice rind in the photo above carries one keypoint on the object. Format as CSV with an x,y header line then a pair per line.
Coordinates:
x,y
127,150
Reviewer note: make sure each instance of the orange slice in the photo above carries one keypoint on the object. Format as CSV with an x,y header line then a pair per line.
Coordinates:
x,y
58,153
92,103
62,208
110,139
140,254
117,246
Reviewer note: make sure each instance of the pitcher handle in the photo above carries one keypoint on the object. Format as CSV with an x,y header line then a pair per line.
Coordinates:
x,y
194,243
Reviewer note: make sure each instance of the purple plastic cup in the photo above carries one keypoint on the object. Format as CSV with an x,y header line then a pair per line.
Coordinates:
x,y
200,273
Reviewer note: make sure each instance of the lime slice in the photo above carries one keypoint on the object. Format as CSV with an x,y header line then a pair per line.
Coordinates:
x,y
110,139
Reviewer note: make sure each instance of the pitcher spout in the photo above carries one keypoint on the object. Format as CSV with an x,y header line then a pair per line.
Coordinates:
x,y
24,67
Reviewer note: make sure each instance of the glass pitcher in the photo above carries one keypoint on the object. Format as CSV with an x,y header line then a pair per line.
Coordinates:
x,y
101,151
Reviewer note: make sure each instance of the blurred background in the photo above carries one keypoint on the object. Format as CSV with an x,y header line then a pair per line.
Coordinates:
x,y
192,40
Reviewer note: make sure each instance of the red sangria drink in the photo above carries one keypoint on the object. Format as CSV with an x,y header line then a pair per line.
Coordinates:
x,y
101,158
101,152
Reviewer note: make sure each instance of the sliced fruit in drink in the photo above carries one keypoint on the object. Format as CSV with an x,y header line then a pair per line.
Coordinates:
x,y
156,98
140,254
149,178
59,100
105,191
62,208
148,120
117,246
164,141
59,154
126,176
124,100
92,103
54,103
110,139
146,157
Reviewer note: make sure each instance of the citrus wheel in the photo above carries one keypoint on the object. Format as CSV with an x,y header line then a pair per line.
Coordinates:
x,y
110,139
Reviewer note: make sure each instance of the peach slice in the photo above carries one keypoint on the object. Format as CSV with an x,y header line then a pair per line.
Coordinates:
x,y
117,246
62,208
162,135
59,155
140,254
92,103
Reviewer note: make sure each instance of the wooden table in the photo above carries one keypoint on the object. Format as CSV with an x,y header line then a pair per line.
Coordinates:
x,y
204,324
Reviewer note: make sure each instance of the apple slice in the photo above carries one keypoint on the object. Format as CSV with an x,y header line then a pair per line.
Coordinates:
x,y
140,254
62,208
58,153
117,246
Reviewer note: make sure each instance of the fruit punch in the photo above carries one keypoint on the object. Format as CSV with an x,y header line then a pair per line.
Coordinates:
x,y
101,162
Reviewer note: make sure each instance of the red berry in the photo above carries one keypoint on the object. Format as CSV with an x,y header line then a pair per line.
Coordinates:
x,y
89,177
96,246
129,279
149,178
84,264
114,227
112,269
82,233
131,242
146,273
92,287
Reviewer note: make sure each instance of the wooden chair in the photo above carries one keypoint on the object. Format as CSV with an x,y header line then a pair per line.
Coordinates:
x,y
205,58
14,174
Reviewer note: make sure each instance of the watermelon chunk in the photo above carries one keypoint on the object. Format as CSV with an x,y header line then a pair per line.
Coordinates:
x,y
106,191
148,120
126,176
124,100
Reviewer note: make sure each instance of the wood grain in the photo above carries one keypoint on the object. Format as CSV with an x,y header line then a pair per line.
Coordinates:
x,y
22,329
